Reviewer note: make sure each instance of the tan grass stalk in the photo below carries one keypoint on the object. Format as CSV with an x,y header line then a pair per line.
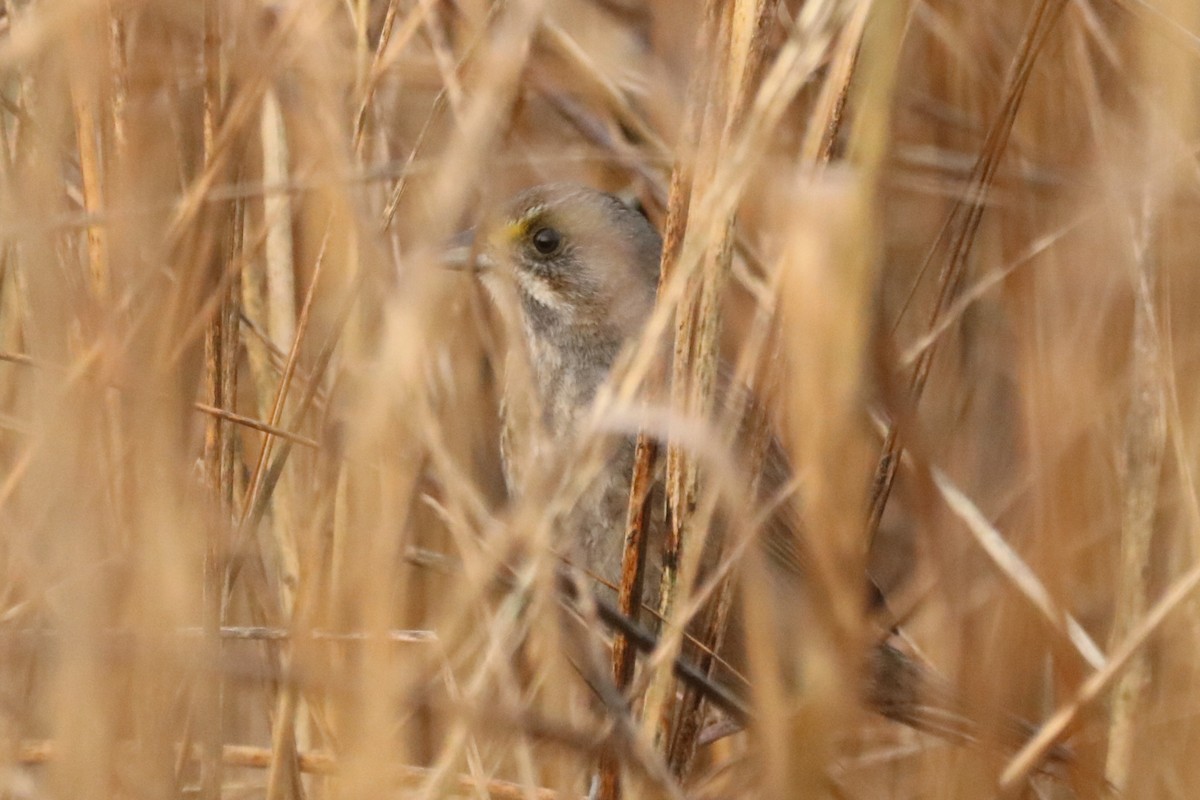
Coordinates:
x,y
1024,762
319,763
88,135
291,713
1145,439
1014,568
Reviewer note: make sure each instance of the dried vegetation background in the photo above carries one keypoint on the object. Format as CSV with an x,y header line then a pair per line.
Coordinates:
x,y
253,535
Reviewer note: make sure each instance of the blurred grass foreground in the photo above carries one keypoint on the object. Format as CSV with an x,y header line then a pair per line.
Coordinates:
x,y
254,538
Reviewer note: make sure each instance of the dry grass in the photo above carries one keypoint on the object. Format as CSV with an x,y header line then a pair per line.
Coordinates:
x,y
253,534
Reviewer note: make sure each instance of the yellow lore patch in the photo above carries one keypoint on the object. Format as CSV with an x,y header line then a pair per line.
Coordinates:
x,y
518,229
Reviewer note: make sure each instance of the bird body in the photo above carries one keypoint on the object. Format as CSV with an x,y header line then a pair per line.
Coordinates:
x,y
584,267
585,271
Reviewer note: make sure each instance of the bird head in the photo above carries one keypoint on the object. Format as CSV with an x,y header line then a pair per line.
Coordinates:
x,y
581,261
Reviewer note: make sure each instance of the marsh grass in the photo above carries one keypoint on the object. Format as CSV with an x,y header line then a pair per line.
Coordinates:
x,y
254,537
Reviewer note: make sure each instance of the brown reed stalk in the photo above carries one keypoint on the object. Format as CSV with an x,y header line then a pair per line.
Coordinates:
x,y
220,358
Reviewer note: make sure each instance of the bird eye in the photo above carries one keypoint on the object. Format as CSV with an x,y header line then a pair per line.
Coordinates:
x,y
546,241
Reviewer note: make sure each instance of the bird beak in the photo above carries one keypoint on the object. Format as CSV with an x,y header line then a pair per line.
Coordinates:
x,y
463,254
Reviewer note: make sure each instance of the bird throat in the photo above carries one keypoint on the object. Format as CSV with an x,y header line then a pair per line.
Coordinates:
x,y
568,367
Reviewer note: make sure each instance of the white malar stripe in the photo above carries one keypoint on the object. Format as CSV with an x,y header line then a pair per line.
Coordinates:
x,y
540,291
